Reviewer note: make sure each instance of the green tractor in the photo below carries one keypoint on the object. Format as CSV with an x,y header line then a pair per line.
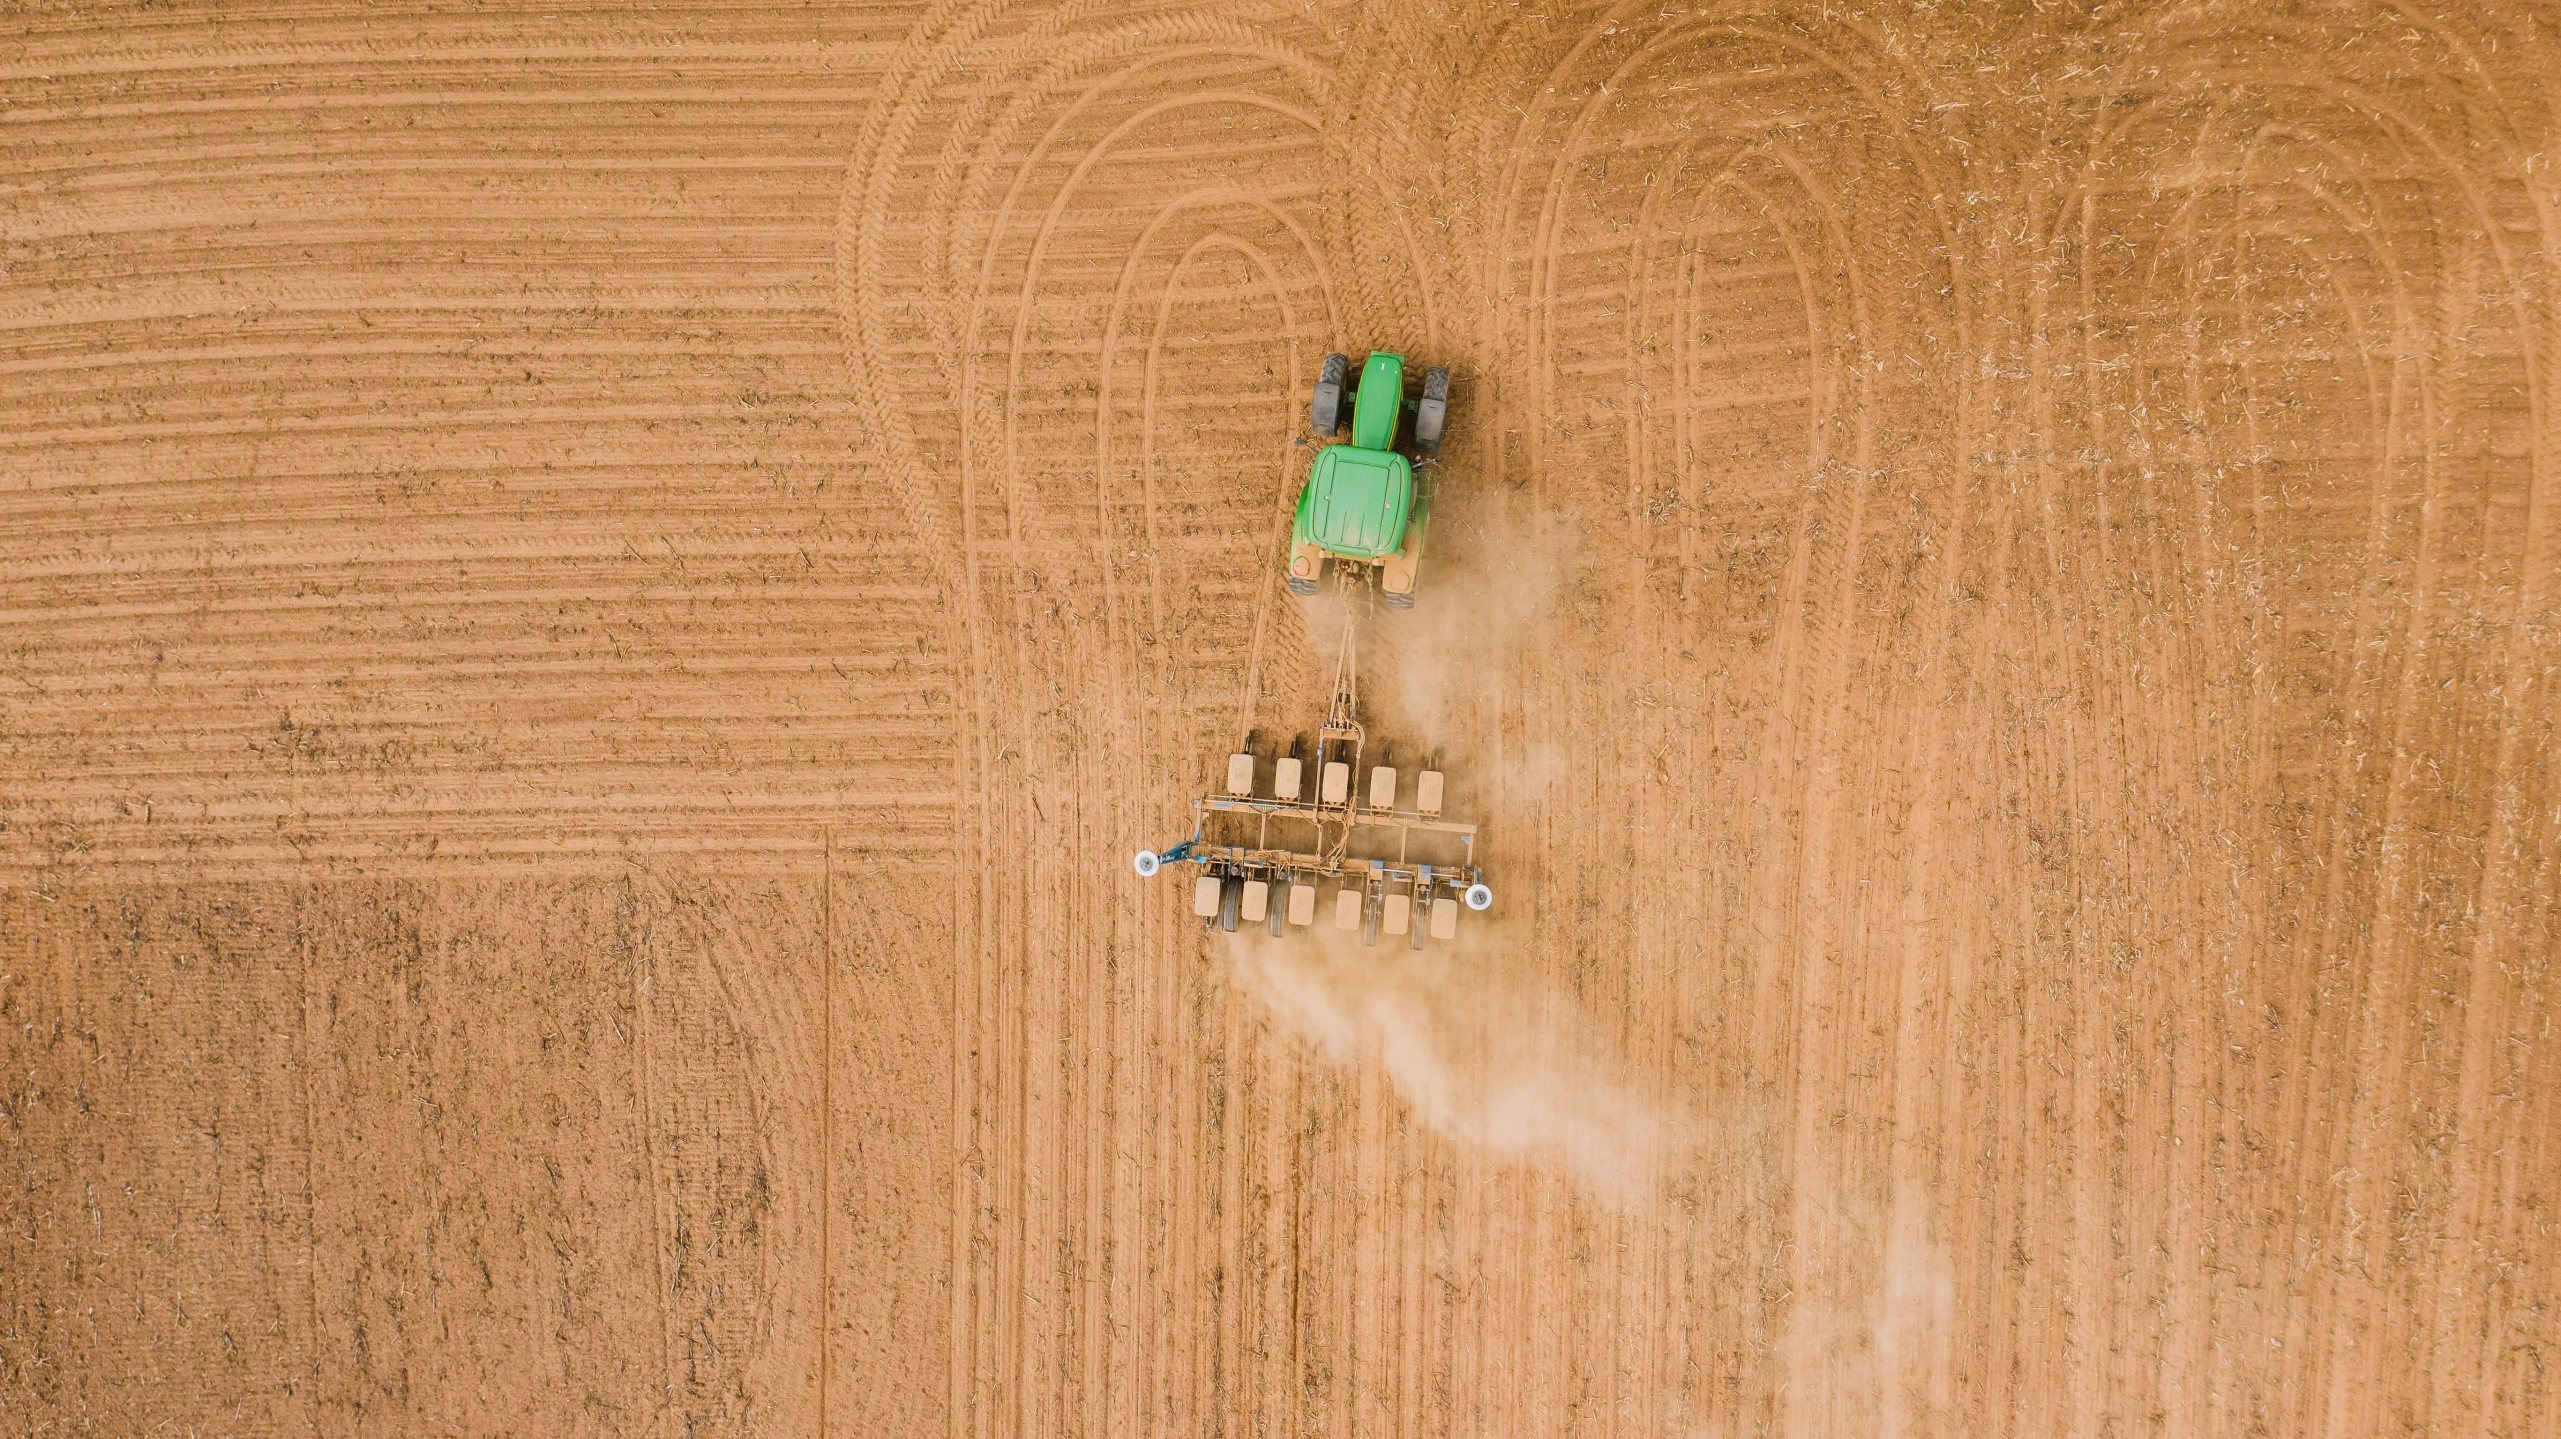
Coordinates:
x,y
1362,505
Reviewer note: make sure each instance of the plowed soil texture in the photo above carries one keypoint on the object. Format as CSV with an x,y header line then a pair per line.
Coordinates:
x,y
594,602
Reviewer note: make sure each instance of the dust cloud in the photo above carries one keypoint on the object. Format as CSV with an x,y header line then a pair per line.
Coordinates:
x,y
1486,593
1868,1334
1480,1048
1471,1035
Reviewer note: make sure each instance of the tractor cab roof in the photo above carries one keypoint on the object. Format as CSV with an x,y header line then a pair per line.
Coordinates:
x,y
1357,501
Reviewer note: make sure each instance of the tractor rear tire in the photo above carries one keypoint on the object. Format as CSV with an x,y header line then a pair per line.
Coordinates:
x,y
1395,601
1433,412
1298,586
1325,413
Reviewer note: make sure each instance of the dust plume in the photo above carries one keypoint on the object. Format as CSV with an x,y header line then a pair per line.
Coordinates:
x,y
1474,1039
1867,1338
1488,591
1482,1050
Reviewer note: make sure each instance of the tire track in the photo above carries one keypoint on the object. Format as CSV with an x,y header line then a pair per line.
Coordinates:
x,y
992,445
2041,744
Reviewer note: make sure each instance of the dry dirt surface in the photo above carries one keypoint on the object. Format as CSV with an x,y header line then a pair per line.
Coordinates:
x,y
593,602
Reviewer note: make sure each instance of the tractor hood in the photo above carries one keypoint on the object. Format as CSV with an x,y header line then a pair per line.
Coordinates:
x,y
1356,501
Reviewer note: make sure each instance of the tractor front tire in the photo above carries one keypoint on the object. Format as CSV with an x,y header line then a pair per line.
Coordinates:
x,y
1325,413
1433,412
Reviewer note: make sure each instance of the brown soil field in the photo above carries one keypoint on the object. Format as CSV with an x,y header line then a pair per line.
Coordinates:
x,y
594,600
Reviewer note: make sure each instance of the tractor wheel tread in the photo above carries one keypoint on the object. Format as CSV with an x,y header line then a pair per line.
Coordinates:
x,y
1325,410
1432,413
